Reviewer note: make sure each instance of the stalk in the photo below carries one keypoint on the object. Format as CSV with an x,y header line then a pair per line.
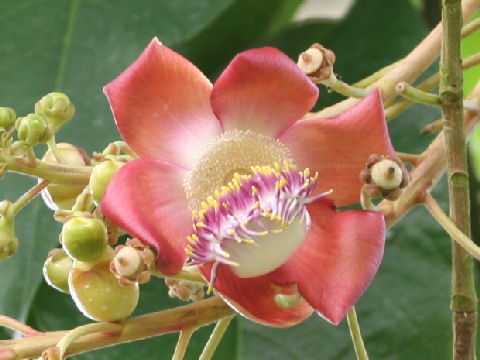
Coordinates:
x,y
464,300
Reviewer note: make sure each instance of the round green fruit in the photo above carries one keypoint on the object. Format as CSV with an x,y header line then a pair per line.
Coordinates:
x,y
84,238
99,296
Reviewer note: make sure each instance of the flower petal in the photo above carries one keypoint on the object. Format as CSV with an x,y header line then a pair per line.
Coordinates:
x,y
339,147
254,298
262,90
337,260
147,199
161,104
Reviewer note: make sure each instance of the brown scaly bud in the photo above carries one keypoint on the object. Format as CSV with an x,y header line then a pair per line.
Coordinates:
x,y
384,176
132,262
317,62
185,290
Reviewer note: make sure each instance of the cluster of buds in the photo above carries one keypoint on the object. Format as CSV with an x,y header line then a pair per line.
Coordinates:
x,y
384,176
132,262
51,112
317,63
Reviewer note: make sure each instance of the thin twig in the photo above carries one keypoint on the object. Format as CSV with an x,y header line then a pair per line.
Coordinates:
x,y
182,343
215,338
356,335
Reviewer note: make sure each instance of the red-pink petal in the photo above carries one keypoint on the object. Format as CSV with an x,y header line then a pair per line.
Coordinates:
x,y
337,260
339,147
262,90
254,298
161,104
147,199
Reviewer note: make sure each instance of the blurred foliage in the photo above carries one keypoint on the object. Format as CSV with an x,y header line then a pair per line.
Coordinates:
x,y
77,46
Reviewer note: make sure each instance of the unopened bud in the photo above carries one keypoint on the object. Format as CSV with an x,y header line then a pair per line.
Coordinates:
x,y
56,108
101,175
128,262
57,268
63,196
317,62
84,238
132,262
8,240
98,294
7,118
310,60
32,130
384,176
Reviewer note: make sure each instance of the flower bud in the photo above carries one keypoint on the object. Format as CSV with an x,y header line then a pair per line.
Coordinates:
x,y
7,118
101,175
63,196
56,108
84,238
132,262
317,62
384,176
32,130
98,294
57,268
8,240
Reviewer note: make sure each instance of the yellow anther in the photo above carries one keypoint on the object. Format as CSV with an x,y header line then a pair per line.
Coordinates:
x,y
200,224
230,232
250,242
254,191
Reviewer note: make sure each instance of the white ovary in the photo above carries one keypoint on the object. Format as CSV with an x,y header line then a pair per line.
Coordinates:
x,y
269,251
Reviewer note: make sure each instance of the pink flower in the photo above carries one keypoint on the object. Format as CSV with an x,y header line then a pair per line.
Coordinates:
x,y
193,137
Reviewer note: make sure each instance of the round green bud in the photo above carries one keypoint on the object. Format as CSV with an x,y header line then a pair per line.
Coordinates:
x,y
32,130
98,294
63,196
56,108
7,118
101,175
57,268
8,240
84,238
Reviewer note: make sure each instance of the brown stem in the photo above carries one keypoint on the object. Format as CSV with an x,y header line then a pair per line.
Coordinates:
x,y
464,299
197,314
427,171
408,69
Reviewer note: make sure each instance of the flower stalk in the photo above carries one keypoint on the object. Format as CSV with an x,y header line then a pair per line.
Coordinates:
x,y
464,299
183,340
215,338
356,335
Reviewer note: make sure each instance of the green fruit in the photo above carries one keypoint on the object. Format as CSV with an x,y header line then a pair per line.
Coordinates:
x,y
98,295
84,238
56,269
101,176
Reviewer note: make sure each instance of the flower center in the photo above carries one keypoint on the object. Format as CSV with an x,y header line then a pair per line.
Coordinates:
x,y
232,152
256,222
